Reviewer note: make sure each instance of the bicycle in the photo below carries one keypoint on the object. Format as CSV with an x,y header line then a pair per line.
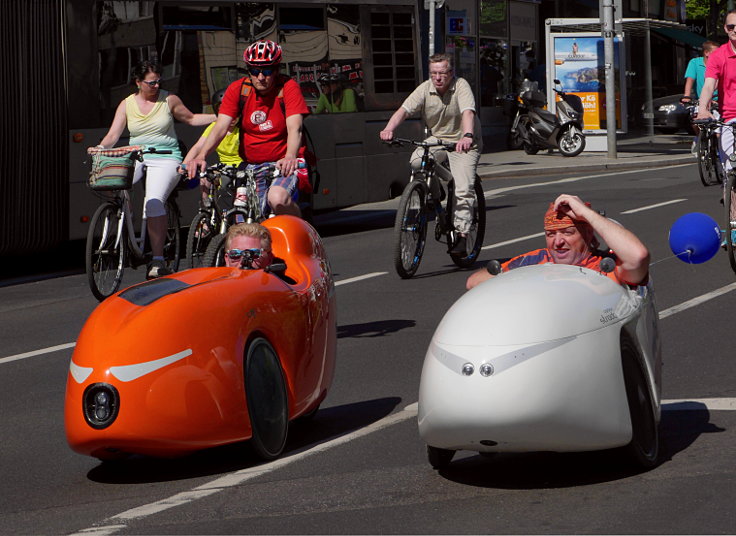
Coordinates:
x,y
729,192
246,209
710,168
211,217
422,197
111,240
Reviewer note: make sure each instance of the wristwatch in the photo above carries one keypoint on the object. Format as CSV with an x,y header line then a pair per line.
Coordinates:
x,y
468,135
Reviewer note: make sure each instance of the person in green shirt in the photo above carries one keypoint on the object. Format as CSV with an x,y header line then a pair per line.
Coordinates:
x,y
335,98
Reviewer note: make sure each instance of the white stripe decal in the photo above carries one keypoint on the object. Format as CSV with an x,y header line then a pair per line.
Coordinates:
x,y
79,373
126,373
657,205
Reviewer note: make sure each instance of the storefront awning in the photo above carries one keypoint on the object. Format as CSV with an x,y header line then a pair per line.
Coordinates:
x,y
683,36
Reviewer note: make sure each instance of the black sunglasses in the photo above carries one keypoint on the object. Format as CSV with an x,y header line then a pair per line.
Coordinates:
x,y
236,254
255,71
152,82
730,27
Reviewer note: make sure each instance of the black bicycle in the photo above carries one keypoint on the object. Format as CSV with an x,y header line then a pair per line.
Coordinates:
x,y
709,161
423,198
729,191
211,218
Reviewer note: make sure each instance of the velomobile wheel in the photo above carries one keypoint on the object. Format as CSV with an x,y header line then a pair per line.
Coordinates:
x,y
439,458
644,447
268,406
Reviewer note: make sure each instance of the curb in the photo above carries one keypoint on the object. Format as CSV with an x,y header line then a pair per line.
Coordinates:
x,y
661,161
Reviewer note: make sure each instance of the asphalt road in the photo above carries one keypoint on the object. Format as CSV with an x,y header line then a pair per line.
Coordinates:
x,y
360,466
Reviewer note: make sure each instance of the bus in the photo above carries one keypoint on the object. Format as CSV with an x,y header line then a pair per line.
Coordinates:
x,y
70,62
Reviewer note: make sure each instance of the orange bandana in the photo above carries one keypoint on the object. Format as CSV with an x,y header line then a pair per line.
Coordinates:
x,y
555,220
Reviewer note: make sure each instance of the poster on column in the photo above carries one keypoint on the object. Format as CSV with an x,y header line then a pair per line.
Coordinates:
x,y
579,66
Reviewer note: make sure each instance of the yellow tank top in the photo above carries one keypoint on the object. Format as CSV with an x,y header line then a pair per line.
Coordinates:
x,y
155,129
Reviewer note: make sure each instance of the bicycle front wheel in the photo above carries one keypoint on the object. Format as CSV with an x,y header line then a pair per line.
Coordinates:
x,y
172,245
477,232
200,235
706,165
410,229
105,251
215,253
729,202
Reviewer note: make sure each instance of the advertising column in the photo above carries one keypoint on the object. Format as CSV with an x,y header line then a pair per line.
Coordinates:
x,y
578,63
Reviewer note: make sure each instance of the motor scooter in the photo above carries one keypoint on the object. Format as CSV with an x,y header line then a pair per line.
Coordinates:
x,y
535,128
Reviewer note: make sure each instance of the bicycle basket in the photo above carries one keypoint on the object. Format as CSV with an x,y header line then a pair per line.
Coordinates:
x,y
112,169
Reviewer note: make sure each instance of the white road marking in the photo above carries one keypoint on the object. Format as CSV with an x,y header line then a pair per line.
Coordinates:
x,y
359,278
657,205
513,241
696,301
496,191
238,477
696,404
34,353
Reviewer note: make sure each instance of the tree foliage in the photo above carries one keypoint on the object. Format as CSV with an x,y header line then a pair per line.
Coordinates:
x,y
713,12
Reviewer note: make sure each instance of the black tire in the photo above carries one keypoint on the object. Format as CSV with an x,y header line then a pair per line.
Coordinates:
x,y
199,236
514,141
643,450
571,142
439,458
268,403
172,245
716,159
729,204
410,229
477,232
530,148
706,168
214,255
105,251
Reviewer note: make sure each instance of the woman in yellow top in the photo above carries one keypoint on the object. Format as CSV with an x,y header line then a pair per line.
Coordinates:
x,y
149,115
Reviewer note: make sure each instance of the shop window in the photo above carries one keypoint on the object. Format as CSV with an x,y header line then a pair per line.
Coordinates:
x,y
493,66
493,21
392,52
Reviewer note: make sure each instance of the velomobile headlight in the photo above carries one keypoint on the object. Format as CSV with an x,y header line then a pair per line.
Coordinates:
x,y
101,403
468,369
486,369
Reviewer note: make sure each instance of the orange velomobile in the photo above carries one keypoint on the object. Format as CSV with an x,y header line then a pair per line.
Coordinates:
x,y
207,357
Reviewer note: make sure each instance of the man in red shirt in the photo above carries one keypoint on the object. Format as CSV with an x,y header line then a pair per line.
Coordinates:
x,y
271,107
569,227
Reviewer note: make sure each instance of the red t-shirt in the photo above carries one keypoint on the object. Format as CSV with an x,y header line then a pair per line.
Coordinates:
x,y
263,131
543,256
722,66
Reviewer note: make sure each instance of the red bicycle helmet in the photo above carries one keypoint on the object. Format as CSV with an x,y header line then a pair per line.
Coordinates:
x,y
263,53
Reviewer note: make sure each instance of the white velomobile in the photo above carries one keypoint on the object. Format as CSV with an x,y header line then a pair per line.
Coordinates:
x,y
544,358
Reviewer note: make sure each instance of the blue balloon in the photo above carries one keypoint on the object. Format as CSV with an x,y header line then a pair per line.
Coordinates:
x,y
695,238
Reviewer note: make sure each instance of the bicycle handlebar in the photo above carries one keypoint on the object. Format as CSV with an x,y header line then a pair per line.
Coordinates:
x,y
421,143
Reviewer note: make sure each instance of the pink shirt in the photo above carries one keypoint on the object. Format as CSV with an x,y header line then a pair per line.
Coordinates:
x,y
722,66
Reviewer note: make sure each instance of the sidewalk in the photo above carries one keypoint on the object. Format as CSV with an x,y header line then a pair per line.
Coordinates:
x,y
633,152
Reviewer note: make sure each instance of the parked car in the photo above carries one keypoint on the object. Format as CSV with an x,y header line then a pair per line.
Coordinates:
x,y
669,115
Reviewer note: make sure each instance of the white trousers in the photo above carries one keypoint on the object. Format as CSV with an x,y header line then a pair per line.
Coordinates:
x,y
161,179
463,168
